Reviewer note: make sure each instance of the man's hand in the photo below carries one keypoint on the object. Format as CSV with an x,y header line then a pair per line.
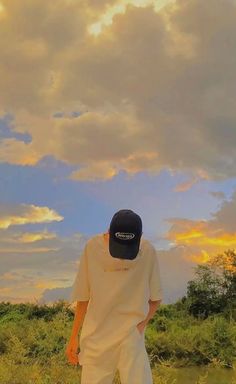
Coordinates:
x,y
72,347
72,350
153,305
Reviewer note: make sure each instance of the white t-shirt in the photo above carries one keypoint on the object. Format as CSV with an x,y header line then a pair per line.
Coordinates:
x,y
118,292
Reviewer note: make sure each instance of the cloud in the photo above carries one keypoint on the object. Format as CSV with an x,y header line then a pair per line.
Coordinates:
x,y
225,217
120,7
155,89
51,255
176,269
96,171
30,237
183,187
206,238
54,294
46,262
26,214
19,237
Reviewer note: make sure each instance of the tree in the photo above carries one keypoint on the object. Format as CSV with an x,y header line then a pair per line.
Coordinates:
x,y
225,264
214,288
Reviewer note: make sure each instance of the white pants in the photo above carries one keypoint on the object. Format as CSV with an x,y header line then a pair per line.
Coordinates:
x,y
130,358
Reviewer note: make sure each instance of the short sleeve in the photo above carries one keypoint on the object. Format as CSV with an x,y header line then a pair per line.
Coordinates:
x,y
155,280
81,287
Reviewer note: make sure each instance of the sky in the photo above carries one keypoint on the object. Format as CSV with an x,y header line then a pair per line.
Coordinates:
x,y
106,105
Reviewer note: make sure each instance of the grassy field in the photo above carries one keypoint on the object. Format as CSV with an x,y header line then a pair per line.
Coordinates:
x,y
33,340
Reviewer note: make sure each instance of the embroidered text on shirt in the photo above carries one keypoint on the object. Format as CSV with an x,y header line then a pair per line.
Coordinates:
x,y
116,269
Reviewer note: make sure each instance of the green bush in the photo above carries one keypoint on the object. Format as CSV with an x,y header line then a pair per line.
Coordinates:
x,y
187,340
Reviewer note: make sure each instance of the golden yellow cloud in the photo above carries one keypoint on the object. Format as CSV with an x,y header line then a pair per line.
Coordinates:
x,y
29,250
94,172
202,237
17,152
27,214
31,237
207,242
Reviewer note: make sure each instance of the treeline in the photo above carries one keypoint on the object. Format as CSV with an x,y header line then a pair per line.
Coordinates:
x,y
9,311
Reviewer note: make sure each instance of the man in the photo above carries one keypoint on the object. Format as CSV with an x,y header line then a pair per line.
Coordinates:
x,y
117,290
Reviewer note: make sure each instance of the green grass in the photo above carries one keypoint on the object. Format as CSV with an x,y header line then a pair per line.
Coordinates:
x,y
33,341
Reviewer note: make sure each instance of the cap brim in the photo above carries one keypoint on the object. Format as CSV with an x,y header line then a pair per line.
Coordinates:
x,y
123,251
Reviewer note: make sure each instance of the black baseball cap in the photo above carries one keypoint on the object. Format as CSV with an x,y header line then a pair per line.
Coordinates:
x,y
125,234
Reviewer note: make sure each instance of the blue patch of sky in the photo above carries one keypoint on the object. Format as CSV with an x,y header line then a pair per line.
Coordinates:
x,y
7,130
39,186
